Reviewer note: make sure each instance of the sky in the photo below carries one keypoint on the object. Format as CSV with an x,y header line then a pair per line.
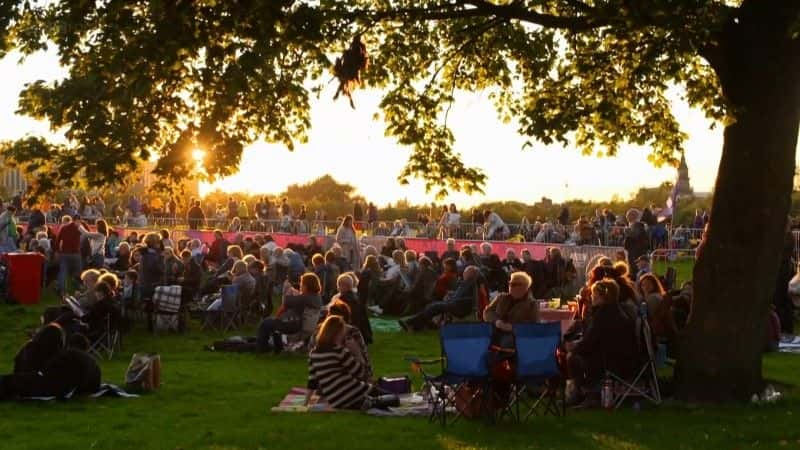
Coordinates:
x,y
349,145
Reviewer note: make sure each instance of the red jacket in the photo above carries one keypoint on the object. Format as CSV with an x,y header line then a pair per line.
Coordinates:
x,y
446,282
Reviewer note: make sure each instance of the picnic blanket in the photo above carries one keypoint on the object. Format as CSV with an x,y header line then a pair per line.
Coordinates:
x,y
300,399
384,325
789,344
106,390
411,405
304,400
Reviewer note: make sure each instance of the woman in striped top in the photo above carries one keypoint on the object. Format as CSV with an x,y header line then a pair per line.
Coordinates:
x,y
334,370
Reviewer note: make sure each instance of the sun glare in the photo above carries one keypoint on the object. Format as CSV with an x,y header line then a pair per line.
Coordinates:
x,y
198,155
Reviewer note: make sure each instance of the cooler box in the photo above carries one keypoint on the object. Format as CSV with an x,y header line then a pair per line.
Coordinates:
x,y
24,277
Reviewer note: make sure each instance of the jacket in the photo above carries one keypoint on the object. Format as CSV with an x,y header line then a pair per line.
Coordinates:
x,y
508,309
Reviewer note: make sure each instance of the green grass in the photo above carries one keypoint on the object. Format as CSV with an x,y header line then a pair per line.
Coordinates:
x,y
683,267
223,401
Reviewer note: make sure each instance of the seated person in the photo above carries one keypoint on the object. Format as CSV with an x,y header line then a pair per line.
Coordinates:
x,y
234,253
368,278
567,288
97,315
447,281
129,288
296,314
460,303
358,309
492,268
451,251
123,261
421,291
240,277
173,267
333,370
278,266
69,371
608,342
263,294
515,306
85,297
47,342
190,278
295,265
353,341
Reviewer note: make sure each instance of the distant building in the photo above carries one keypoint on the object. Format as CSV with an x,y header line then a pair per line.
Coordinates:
x,y
684,187
12,180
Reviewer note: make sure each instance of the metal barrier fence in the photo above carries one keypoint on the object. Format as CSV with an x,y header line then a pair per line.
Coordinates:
x,y
547,233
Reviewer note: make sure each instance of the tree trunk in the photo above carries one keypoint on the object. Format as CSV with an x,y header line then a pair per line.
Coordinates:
x,y
719,354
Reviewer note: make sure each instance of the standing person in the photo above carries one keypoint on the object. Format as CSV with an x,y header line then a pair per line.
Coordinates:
x,y
36,220
97,243
347,239
636,242
244,212
358,213
195,216
68,252
563,217
8,230
372,214
262,209
17,201
172,208
233,208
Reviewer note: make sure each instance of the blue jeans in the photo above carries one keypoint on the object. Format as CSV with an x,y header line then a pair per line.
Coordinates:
x,y
69,265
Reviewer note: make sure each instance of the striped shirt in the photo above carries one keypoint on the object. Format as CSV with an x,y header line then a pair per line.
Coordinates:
x,y
335,372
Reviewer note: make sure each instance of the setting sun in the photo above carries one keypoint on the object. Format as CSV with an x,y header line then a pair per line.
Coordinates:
x,y
198,155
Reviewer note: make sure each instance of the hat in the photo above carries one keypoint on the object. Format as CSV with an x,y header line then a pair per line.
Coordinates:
x,y
644,258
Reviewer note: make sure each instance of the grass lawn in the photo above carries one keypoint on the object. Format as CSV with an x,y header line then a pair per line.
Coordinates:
x,y
223,401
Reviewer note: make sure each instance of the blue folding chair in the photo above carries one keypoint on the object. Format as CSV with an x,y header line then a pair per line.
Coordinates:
x,y
538,383
464,361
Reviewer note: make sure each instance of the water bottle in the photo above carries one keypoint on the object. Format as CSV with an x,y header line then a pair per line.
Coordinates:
x,y
643,310
607,394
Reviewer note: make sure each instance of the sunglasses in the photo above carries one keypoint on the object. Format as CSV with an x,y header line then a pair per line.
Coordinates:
x,y
516,284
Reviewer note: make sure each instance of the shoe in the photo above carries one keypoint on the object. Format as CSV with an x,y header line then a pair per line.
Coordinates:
x,y
375,309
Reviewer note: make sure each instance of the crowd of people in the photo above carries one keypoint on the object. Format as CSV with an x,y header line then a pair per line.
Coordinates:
x,y
327,292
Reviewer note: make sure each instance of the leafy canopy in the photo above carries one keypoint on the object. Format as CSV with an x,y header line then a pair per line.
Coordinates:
x,y
160,78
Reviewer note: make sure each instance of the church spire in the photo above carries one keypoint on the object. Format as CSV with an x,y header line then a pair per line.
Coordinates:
x,y
684,188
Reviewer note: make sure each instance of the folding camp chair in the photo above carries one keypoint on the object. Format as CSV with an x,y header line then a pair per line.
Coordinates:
x,y
166,308
464,362
229,315
644,382
261,305
107,341
538,385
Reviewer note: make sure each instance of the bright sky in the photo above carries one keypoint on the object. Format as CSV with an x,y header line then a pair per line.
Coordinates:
x,y
352,147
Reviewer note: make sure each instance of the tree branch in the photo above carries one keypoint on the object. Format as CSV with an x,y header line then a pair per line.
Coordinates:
x,y
481,8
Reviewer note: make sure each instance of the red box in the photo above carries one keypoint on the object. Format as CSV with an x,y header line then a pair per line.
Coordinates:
x,y
25,277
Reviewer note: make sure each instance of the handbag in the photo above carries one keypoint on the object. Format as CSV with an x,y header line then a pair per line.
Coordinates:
x,y
144,372
395,385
